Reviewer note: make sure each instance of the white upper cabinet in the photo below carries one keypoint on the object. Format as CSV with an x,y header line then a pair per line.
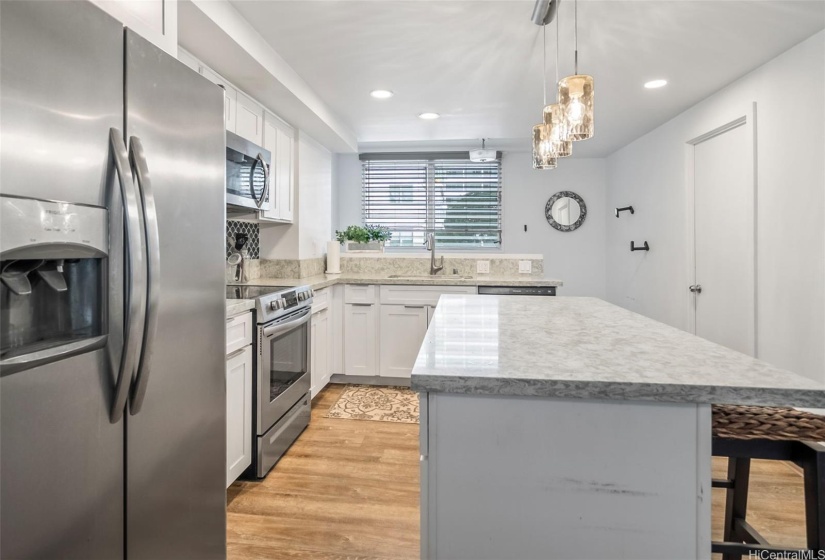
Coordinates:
x,y
279,139
249,119
230,96
154,20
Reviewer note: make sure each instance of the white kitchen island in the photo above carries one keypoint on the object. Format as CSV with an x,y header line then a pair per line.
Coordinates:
x,y
562,427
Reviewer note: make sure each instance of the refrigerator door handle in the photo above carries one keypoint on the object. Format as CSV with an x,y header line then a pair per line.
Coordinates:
x,y
150,220
136,278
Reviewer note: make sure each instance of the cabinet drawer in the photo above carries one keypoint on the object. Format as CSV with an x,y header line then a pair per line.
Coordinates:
x,y
420,295
320,300
238,331
359,294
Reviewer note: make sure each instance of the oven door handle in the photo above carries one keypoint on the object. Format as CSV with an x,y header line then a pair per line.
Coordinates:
x,y
275,330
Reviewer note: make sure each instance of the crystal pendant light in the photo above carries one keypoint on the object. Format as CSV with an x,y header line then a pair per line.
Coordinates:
x,y
543,155
554,117
576,95
543,148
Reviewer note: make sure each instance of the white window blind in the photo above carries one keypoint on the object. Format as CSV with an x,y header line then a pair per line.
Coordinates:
x,y
456,199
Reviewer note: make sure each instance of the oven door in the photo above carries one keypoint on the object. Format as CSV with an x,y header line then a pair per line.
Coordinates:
x,y
283,366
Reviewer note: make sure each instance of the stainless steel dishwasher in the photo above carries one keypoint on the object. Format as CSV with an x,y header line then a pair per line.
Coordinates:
x,y
517,290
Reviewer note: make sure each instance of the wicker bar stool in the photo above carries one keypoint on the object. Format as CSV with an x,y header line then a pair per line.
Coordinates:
x,y
742,433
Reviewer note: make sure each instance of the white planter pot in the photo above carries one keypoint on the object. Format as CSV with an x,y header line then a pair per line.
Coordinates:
x,y
371,247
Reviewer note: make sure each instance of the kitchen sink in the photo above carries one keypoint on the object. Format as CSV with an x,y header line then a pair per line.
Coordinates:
x,y
431,276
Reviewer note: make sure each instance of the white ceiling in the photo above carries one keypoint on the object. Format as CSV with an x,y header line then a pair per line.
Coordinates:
x,y
478,63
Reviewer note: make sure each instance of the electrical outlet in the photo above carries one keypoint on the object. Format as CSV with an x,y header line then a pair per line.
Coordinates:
x,y
483,267
525,267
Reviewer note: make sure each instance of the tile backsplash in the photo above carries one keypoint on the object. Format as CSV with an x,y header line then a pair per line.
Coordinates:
x,y
253,244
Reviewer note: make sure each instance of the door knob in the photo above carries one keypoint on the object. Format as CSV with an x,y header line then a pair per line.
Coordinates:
x,y
696,288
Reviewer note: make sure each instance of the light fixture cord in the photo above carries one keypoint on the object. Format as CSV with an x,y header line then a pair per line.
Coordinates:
x,y
557,48
544,62
576,36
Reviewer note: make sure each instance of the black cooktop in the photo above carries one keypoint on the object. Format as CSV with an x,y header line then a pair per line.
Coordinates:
x,y
252,292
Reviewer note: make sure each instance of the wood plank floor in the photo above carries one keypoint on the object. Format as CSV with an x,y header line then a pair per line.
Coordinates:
x,y
348,489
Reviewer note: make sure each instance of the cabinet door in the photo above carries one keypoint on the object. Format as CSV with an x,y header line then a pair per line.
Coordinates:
x,y
230,96
320,351
430,312
285,173
272,207
154,20
315,372
249,119
402,330
238,413
360,339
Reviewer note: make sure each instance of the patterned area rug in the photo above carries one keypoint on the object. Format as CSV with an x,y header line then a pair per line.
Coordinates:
x,y
385,404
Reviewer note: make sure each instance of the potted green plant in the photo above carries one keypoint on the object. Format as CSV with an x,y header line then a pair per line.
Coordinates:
x,y
363,239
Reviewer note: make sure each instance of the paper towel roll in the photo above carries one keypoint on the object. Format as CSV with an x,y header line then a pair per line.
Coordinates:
x,y
333,257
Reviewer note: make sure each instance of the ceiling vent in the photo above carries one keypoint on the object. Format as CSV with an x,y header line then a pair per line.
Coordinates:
x,y
483,155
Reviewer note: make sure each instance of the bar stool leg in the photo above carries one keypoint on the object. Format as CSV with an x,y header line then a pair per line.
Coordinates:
x,y
814,467
736,500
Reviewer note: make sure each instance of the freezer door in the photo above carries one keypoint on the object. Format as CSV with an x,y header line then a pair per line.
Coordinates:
x,y
62,460
176,437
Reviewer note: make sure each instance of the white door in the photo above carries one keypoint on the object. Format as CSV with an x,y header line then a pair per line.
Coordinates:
x,y
238,413
724,245
285,173
249,119
321,344
272,209
360,339
402,331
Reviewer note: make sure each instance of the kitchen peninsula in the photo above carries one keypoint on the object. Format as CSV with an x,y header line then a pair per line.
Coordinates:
x,y
572,428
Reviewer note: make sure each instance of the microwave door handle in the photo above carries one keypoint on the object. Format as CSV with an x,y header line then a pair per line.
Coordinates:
x,y
150,220
260,201
275,330
136,277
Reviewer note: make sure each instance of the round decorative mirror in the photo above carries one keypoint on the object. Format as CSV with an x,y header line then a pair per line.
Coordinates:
x,y
565,211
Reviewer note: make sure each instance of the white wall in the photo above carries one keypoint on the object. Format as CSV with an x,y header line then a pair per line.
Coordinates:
x,y
577,258
650,174
307,236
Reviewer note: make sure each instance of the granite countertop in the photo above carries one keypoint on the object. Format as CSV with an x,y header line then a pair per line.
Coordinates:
x,y
586,348
325,280
238,306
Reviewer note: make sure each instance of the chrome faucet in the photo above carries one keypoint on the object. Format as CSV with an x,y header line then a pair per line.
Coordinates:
x,y
430,244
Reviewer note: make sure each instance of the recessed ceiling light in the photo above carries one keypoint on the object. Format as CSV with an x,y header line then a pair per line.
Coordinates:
x,y
653,84
381,93
428,116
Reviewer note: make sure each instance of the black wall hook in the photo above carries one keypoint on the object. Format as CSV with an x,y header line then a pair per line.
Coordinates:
x,y
644,247
632,211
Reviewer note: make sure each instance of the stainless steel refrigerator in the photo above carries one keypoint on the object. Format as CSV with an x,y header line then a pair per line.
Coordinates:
x,y
112,310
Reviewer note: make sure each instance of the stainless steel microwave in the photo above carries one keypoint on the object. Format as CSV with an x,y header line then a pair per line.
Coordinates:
x,y
247,173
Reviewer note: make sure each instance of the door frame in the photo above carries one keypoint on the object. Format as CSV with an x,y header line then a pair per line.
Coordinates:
x,y
744,117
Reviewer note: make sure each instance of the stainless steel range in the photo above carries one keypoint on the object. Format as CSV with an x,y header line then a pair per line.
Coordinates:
x,y
281,399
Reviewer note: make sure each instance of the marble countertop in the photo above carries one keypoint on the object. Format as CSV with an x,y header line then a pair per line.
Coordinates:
x,y
238,306
325,280
586,348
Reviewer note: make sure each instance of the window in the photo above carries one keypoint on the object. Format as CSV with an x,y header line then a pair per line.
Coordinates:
x,y
443,193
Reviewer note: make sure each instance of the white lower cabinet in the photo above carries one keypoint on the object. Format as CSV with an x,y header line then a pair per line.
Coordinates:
x,y
402,331
319,351
239,378
360,339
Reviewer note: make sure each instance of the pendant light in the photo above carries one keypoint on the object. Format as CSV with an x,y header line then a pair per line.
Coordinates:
x,y
543,152
554,118
576,94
